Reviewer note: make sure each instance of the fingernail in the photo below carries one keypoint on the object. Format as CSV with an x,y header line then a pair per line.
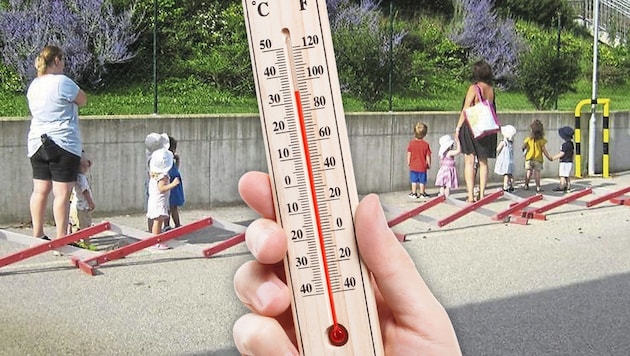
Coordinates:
x,y
266,293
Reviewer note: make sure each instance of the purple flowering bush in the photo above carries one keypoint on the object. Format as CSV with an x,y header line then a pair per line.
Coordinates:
x,y
91,34
487,36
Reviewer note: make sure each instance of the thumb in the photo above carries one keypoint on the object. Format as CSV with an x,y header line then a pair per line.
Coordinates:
x,y
395,273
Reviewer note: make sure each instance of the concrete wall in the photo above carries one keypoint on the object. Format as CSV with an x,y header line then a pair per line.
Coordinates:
x,y
217,150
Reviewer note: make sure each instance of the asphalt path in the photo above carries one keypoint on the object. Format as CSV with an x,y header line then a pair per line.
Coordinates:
x,y
559,286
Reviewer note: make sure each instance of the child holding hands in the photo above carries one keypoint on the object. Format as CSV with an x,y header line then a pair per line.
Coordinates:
x,y
447,175
566,159
534,147
505,157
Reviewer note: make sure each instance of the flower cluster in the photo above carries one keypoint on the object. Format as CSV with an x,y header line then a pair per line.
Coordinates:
x,y
91,34
488,37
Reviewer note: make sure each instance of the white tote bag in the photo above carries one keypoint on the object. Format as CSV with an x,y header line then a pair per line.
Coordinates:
x,y
481,117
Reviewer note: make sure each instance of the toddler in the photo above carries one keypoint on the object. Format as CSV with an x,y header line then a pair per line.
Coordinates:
x,y
176,198
419,161
504,165
153,142
447,175
534,146
159,187
82,203
566,159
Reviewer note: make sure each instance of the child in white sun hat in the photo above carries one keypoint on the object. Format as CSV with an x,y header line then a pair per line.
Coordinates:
x,y
447,175
504,165
153,142
159,189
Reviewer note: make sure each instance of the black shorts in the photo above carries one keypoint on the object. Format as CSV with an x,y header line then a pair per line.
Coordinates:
x,y
56,164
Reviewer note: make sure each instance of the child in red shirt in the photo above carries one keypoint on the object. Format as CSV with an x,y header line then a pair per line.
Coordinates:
x,y
419,161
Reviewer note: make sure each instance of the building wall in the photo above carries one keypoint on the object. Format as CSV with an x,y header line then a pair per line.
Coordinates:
x,y
216,150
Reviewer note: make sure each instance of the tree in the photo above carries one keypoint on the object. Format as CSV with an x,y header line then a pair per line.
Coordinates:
x,y
546,74
91,34
362,50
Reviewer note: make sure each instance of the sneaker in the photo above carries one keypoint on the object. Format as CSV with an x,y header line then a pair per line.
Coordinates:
x,y
413,195
424,195
560,189
511,189
45,238
161,246
539,189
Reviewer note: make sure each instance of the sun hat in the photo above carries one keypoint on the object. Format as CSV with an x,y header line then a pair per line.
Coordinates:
x,y
446,142
154,141
508,131
161,161
566,132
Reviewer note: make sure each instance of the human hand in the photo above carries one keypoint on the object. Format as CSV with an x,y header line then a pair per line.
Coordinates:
x,y
176,181
412,320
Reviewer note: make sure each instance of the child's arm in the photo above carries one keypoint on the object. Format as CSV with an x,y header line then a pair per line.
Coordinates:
x,y
546,153
500,146
88,198
428,161
408,159
457,150
525,146
164,185
558,156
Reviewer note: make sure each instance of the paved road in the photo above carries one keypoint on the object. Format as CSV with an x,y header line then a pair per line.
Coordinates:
x,y
554,287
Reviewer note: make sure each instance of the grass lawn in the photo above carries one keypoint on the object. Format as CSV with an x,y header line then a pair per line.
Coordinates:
x,y
138,100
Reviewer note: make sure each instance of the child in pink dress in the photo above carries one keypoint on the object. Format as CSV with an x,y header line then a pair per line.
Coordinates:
x,y
447,175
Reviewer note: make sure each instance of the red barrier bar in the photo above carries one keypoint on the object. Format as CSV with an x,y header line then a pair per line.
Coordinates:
x,y
53,244
225,244
411,213
517,207
88,265
485,200
564,200
624,200
605,197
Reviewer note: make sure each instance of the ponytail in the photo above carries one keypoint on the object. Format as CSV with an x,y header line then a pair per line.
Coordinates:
x,y
46,58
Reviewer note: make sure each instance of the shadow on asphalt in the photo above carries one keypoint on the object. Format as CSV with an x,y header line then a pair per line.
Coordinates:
x,y
591,318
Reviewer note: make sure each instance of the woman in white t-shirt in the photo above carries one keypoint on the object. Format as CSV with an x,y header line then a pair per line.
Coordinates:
x,y
54,139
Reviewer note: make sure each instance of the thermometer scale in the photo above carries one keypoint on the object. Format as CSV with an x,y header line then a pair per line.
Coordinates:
x,y
312,178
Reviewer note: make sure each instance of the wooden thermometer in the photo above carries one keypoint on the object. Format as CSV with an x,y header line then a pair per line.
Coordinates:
x,y
312,178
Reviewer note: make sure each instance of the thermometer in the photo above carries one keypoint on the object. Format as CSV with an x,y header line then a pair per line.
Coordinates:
x,y
312,178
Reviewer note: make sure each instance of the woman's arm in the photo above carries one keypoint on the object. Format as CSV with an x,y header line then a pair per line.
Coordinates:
x,y
81,98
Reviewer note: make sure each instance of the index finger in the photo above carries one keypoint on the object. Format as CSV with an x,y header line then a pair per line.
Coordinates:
x,y
255,189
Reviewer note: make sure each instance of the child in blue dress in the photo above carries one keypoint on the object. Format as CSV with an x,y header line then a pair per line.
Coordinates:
x,y
176,199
